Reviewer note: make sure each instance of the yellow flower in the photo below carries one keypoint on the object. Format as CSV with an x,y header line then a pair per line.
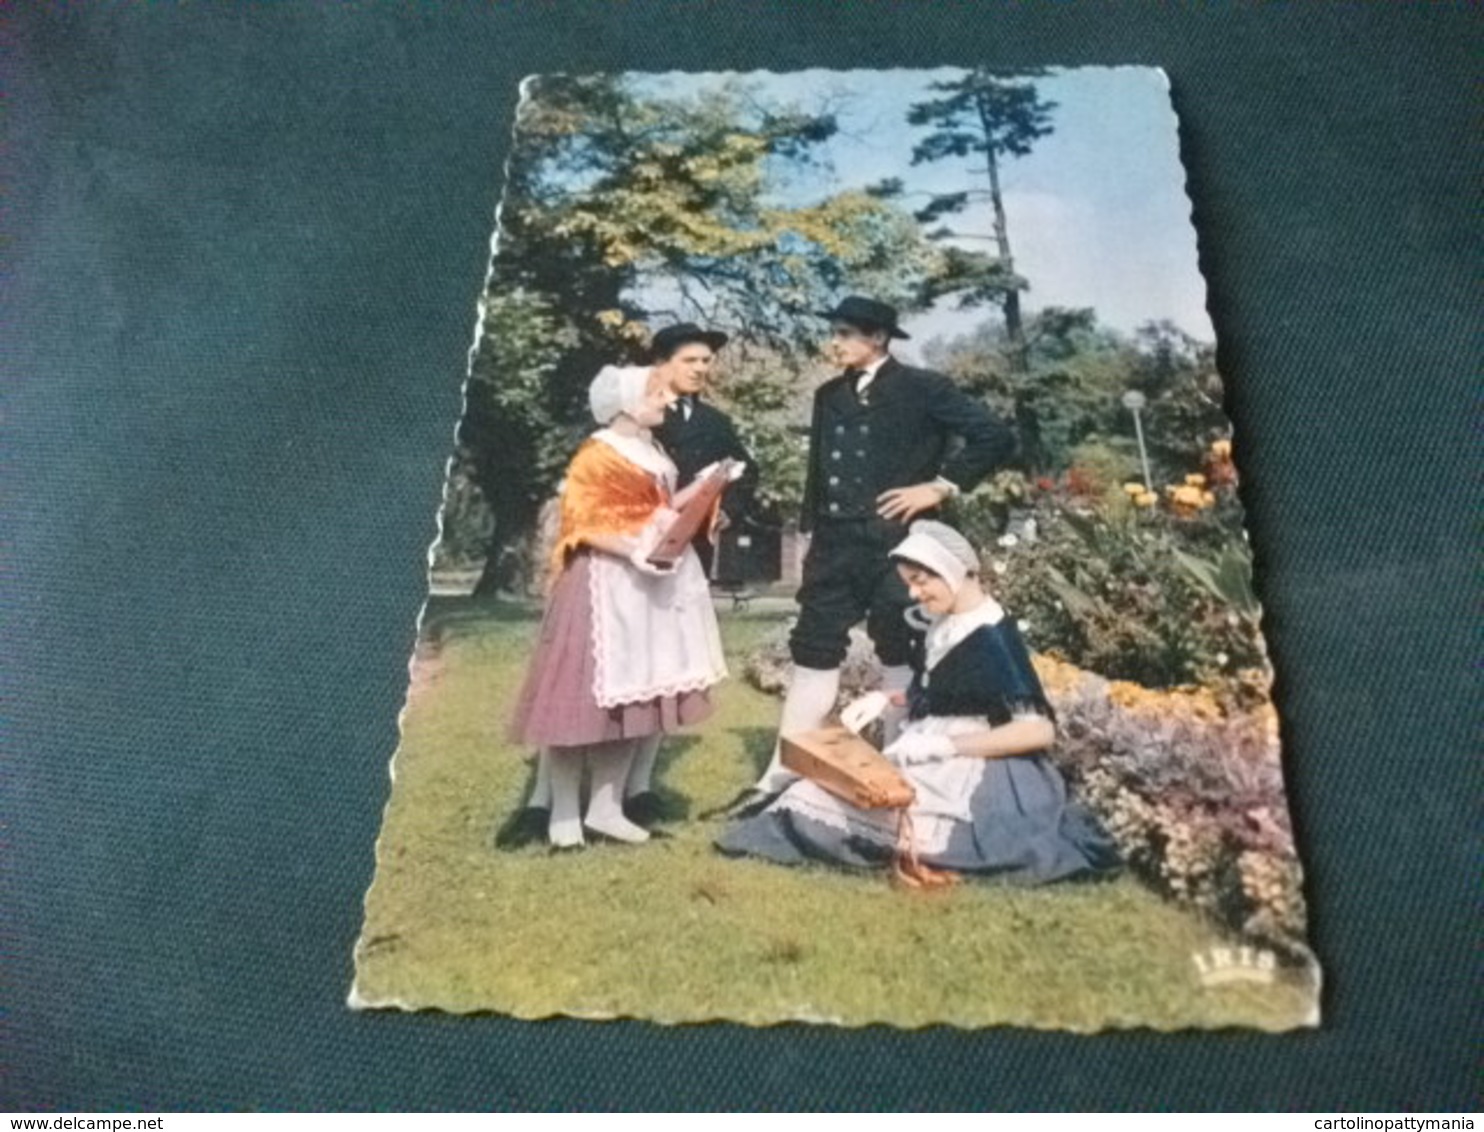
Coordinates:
x,y
1146,499
1186,498
1208,499
1222,449
1134,489
1196,480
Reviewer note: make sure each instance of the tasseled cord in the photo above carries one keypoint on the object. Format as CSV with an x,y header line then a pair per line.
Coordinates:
x,y
906,869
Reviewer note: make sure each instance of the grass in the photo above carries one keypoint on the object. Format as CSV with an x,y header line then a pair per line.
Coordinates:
x,y
674,932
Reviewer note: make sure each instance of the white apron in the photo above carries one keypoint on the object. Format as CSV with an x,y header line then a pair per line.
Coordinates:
x,y
653,635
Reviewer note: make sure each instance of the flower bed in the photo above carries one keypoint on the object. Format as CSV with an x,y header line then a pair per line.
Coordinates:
x,y
1191,790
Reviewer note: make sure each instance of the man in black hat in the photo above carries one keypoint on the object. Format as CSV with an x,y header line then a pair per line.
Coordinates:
x,y
879,457
696,433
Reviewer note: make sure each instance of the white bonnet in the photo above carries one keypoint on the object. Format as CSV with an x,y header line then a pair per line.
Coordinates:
x,y
941,549
617,389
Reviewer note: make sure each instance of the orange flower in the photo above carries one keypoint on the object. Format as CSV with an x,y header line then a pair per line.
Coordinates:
x,y
1185,499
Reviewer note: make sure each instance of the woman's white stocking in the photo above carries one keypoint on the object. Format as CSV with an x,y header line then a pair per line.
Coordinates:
x,y
608,768
564,771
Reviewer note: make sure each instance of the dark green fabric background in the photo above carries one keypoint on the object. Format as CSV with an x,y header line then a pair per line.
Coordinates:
x,y
245,246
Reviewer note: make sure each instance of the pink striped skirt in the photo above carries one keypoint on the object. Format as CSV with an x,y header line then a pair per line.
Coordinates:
x,y
557,708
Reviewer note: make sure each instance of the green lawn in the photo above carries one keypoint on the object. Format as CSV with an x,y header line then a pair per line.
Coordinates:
x,y
673,931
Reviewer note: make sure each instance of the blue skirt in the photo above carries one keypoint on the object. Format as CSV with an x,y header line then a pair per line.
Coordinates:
x,y
1020,827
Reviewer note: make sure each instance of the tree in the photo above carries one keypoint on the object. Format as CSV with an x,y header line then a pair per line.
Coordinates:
x,y
621,209
1060,385
996,116
518,427
1067,390
1177,373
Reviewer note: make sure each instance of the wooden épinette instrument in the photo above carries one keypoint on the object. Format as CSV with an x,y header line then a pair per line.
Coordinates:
x,y
692,517
840,761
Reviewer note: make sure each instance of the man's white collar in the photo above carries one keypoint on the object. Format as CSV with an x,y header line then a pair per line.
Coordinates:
x,y
868,373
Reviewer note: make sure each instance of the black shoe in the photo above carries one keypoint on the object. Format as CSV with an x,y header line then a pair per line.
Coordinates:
x,y
594,837
644,809
749,803
597,837
524,827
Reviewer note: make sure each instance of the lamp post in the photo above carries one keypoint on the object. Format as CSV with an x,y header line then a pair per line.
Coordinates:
x,y
1133,401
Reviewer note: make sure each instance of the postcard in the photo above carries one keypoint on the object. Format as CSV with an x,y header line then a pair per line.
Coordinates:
x,y
842,610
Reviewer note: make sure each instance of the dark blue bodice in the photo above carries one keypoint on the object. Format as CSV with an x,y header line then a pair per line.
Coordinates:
x,y
987,674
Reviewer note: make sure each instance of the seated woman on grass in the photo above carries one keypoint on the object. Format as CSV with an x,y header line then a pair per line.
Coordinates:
x,y
988,798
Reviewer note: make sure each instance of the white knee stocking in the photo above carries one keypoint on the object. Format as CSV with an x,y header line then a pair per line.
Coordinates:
x,y
641,773
608,768
807,705
540,798
564,778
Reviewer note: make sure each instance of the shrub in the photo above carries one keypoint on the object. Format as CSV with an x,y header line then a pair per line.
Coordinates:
x,y
767,667
1099,470
466,523
1156,592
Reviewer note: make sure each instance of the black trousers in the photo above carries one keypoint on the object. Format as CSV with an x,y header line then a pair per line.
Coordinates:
x,y
848,578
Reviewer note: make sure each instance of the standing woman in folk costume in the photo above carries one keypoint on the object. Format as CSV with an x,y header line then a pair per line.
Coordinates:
x,y
989,800
627,650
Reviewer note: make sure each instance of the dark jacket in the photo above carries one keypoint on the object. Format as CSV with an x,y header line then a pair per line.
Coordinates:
x,y
901,435
708,436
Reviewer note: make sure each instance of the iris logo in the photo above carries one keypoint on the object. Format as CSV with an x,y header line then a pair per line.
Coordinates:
x,y
1222,966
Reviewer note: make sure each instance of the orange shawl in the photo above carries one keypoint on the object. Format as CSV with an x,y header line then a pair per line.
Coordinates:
x,y
606,494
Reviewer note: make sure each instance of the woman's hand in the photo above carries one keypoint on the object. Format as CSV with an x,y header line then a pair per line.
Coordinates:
x,y
859,714
649,538
733,469
915,747
635,549
639,560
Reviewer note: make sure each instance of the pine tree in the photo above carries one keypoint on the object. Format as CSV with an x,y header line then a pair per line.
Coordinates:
x,y
994,116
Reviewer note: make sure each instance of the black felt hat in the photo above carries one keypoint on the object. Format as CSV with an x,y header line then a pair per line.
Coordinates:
x,y
671,338
867,314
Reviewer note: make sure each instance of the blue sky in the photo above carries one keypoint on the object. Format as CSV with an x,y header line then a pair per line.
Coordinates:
x,y
1097,212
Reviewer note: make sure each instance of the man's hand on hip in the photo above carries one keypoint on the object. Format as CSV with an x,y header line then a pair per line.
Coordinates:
x,y
904,504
